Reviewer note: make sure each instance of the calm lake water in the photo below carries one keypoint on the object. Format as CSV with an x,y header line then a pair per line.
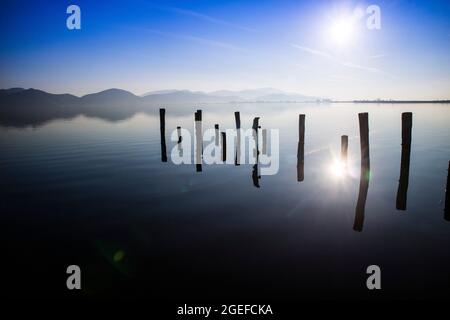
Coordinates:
x,y
95,193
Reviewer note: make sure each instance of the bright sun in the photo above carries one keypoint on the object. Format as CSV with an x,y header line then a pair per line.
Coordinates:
x,y
338,169
342,30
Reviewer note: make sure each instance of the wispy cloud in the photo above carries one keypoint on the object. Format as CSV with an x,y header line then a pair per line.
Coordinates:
x,y
196,39
314,52
339,77
332,58
377,56
357,66
207,18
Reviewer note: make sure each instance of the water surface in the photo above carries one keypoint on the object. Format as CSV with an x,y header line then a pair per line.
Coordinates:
x,y
94,192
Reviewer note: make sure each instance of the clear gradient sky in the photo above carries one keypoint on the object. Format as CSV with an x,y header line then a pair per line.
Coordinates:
x,y
204,45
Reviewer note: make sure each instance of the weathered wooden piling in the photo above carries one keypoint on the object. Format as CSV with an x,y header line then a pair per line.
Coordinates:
x,y
217,135
180,138
237,158
301,148
162,129
224,146
255,128
237,118
344,149
447,196
264,141
198,140
405,160
365,171
364,142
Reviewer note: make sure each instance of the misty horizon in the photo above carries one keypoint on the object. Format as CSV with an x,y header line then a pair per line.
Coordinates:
x,y
225,93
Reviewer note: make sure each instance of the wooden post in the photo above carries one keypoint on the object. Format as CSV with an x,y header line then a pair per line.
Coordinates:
x,y
344,149
237,158
217,136
162,129
447,196
237,117
255,172
224,147
198,140
364,142
180,138
301,148
264,141
365,171
405,160
255,128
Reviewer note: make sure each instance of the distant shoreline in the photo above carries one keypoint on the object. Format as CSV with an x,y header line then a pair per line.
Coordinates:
x,y
393,101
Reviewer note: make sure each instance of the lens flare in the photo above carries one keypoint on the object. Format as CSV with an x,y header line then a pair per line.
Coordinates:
x,y
342,30
338,169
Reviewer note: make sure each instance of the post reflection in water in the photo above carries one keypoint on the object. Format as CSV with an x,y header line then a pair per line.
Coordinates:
x,y
255,172
301,148
405,159
339,168
365,171
447,196
344,150
224,146
179,144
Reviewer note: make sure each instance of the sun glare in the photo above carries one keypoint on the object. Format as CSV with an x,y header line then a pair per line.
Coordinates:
x,y
338,169
342,30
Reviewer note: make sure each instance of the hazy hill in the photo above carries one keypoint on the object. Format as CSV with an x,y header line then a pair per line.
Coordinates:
x,y
5,92
252,95
110,97
22,107
185,96
31,97
123,98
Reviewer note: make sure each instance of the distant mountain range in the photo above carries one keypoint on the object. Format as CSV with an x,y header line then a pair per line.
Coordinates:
x,y
118,97
252,95
22,107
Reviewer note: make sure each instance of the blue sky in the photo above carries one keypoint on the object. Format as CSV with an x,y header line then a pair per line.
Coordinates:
x,y
142,46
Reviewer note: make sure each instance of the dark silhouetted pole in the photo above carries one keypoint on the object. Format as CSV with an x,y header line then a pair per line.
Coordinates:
x,y
404,165
264,141
224,147
237,158
162,129
255,128
198,140
217,136
447,196
365,171
237,117
301,148
180,138
344,149
255,172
